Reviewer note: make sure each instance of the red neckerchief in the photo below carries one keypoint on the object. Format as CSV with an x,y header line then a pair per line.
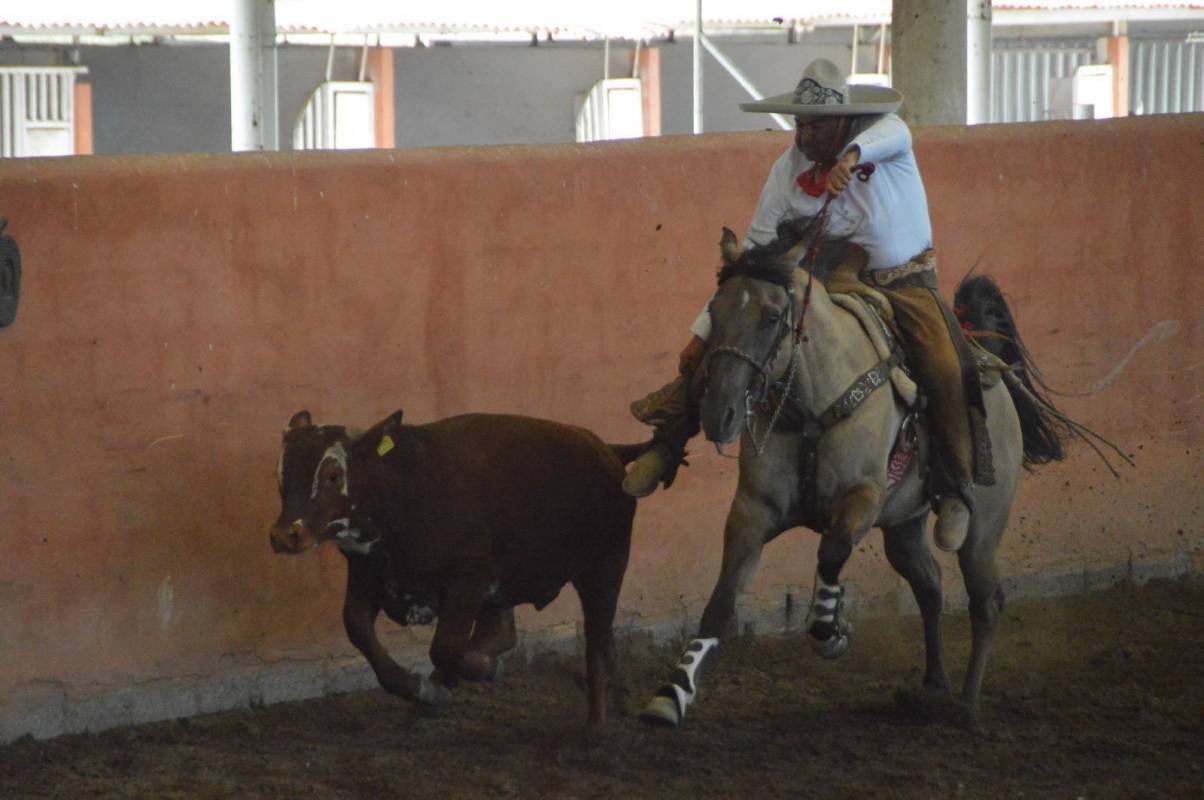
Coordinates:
x,y
814,181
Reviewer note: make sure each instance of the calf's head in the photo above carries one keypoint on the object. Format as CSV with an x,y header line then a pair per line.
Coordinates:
x,y
314,497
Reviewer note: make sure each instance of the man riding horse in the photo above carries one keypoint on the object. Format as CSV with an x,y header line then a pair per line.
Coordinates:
x,y
841,130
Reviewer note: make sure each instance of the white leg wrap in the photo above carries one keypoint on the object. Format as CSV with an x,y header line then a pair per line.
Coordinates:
x,y
826,610
671,700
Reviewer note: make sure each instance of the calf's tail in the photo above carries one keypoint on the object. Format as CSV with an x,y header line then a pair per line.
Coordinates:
x,y
630,452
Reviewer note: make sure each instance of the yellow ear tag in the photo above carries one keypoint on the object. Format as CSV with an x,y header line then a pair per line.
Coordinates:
x,y
386,444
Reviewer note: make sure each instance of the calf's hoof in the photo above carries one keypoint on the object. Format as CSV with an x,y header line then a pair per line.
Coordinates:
x,y
480,667
432,694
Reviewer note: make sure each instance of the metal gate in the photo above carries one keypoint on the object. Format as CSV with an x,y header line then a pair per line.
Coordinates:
x,y
1021,71
1166,76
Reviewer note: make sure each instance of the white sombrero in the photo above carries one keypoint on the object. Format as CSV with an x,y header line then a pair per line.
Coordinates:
x,y
823,91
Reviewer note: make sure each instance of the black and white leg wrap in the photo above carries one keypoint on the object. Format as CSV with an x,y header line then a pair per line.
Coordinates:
x,y
668,706
825,621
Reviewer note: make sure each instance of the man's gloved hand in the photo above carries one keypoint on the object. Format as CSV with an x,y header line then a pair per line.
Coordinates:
x,y
689,358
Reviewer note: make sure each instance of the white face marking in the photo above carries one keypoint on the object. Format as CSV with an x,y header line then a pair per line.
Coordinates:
x,y
339,455
744,298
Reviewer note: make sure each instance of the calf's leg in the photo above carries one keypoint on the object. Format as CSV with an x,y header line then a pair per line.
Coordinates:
x,y
599,593
359,620
458,610
494,632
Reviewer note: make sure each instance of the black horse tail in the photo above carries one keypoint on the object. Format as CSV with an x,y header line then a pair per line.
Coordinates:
x,y
979,302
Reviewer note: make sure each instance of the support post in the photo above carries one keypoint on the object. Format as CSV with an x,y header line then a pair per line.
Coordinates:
x,y
978,61
254,115
648,70
697,66
941,60
380,72
1118,57
83,118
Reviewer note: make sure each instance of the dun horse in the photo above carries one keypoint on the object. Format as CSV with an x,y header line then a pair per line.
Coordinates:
x,y
818,423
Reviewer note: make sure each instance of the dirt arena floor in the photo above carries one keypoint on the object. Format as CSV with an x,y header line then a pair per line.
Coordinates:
x,y
1090,696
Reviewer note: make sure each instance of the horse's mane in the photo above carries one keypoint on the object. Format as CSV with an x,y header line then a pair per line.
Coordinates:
x,y
766,262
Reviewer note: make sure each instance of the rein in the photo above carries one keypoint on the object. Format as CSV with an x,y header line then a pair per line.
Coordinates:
x,y
762,396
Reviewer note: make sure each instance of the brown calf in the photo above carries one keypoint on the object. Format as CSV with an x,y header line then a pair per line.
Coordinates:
x,y
463,518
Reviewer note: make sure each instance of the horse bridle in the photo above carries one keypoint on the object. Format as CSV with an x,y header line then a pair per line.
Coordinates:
x,y
762,366
760,396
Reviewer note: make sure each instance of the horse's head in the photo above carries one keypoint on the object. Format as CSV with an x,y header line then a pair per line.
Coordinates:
x,y
315,505
753,315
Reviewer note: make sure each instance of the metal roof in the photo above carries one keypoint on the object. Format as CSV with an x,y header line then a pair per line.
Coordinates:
x,y
626,19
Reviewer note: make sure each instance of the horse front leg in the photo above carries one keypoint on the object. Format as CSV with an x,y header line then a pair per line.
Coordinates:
x,y
750,524
854,514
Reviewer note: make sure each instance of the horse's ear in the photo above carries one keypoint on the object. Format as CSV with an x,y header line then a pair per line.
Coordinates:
x,y
795,254
393,422
729,248
300,420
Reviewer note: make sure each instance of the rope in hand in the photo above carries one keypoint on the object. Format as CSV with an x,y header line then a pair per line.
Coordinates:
x,y
863,173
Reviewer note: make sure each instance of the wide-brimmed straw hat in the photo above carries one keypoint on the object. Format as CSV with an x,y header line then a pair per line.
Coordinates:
x,y
823,91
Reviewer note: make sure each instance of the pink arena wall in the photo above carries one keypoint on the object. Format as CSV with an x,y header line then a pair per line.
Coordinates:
x,y
177,310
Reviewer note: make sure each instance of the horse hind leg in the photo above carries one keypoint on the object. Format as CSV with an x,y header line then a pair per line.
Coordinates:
x,y
985,590
907,551
855,513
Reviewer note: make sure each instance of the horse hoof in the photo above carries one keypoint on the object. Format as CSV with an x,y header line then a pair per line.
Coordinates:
x,y
661,712
931,704
832,648
835,645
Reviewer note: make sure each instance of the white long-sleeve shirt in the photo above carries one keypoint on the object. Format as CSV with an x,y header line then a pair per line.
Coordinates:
x,y
886,215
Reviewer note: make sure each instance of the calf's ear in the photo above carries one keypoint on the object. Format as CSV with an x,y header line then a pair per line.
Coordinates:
x,y
393,422
300,420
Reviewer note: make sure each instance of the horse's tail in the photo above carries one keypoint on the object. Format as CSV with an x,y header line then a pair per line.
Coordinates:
x,y
979,302
630,452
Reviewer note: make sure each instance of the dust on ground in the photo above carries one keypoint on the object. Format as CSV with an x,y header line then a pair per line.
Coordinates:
x,y
1088,696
